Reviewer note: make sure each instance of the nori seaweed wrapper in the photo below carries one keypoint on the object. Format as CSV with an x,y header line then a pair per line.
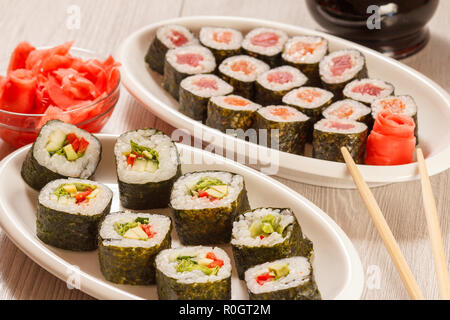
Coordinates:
x,y
244,89
192,105
338,88
223,118
172,79
221,55
310,70
267,97
273,61
156,55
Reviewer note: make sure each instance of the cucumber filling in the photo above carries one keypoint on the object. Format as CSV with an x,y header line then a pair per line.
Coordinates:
x,y
68,145
138,229
265,226
142,159
209,187
273,273
76,192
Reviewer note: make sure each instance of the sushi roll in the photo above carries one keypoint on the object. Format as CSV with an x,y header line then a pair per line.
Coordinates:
x,y
60,151
183,62
231,112
350,110
368,90
195,92
284,279
267,234
69,211
287,128
331,135
128,244
272,85
223,42
147,166
305,53
193,273
205,204
167,38
241,72
265,44
341,67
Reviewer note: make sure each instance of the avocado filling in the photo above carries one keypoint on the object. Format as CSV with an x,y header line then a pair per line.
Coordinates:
x,y
265,226
78,192
207,263
273,273
68,145
138,229
142,158
209,187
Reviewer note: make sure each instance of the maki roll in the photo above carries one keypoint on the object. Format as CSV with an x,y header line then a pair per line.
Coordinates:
x,y
267,234
69,211
60,151
331,135
167,37
368,90
305,53
128,244
241,72
193,273
341,67
265,44
183,62
284,279
195,92
287,128
205,204
147,166
231,112
223,42
350,110
272,85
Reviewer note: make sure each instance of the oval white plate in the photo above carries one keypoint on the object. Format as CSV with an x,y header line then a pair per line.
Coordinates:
x,y
433,101
337,267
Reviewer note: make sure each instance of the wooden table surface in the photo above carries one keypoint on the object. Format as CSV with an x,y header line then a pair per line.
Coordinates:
x,y
106,23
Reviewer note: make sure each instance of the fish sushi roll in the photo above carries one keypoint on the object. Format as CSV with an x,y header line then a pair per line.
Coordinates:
x,y
195,92
287,128
265,44
167,38
284,279
128,244
223,42
341,67
205,204
331,135
193,273
60,151
350,110
272,85
147,166
231,112
241,72
267,234
368,90
183,62
69,211
305,53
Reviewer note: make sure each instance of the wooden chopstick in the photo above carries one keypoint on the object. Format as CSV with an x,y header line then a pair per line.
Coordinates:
x,y
434,230
383,228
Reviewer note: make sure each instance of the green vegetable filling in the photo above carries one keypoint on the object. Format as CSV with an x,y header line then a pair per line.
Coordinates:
x,y
133,229
209,187
266,226
279,270
71,189
187,264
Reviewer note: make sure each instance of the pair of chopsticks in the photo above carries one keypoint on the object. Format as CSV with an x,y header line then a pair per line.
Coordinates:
x,y
388,238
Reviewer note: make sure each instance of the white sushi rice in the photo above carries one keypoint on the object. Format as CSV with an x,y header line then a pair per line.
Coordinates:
x,y
387,90
294,97
326,125
207,38
294,114
161,143
165,33
168,267
357,60
82,168
301,56
94,206
298,79
263,50
299,274
258,65
207,65
410,107
159,224
181,199
222,102
241,235
356,109
189,84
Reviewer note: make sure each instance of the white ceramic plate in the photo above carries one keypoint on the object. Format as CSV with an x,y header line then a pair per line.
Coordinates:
x,y
433,101
337,267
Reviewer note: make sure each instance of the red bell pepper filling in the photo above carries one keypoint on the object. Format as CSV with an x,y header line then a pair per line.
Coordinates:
x,y
265,277
147,229
216,262
81,196
204,194
78,145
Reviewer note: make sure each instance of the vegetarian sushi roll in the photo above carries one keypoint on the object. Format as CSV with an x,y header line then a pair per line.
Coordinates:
x,y
267,234
60,151
167,37
287,128
272,85
223,42
368,90
285,279
331,135
193,273
231,112
128,244
195,92
350,110
183,62
265,44
69,211
205,204
147,166
241,72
